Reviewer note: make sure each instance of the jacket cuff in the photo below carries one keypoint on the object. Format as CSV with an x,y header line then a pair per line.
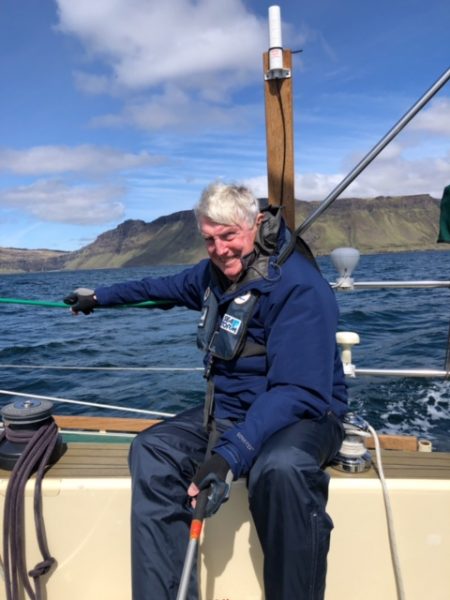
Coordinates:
x,y
228,453
237,450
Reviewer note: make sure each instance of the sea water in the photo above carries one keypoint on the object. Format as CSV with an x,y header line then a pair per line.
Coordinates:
x,y
399,328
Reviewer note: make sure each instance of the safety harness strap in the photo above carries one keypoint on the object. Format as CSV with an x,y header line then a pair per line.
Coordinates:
x,y
208,408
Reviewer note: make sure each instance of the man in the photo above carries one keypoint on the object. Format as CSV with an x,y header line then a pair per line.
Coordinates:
x,y
275,396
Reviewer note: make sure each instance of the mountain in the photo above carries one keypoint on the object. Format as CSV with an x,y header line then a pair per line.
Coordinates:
x,y
381,224
173,239
20,260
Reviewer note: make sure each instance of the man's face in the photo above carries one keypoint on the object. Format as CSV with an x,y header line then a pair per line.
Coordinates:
x,y
227,244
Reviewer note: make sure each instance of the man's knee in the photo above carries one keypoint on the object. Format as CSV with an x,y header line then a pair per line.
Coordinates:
x,y
282,464
169,449
155,453
291,476
145,444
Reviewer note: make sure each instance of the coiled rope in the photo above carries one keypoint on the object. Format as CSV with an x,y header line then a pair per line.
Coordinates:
x,y
40,445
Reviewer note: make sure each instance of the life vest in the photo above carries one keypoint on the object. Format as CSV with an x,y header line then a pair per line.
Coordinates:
x,y
226,337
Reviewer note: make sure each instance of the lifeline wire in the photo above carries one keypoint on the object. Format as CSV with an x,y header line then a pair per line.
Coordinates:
x,y
76,368
92,404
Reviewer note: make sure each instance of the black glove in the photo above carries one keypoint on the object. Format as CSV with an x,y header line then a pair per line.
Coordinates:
x,y
82,300
214,474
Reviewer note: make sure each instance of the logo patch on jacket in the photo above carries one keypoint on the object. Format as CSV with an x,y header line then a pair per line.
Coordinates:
x,y
230,324
243,299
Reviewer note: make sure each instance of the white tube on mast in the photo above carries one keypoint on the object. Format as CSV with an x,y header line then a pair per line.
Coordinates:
x,y
275,40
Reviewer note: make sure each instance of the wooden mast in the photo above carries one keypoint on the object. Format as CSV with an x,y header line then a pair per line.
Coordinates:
x,y
280,138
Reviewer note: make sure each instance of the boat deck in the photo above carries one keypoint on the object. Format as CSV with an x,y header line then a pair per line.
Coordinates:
x,y
98,448
88,491
110,460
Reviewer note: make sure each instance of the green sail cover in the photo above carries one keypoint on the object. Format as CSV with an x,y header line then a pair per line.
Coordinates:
x,y
444,220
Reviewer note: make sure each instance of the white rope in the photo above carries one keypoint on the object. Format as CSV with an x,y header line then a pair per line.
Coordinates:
x,y
92,404
72,368
389,518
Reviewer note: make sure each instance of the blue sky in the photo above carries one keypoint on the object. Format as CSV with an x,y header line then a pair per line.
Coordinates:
x,y
127,109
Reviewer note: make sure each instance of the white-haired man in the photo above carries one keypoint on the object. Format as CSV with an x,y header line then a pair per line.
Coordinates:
x,y
275,397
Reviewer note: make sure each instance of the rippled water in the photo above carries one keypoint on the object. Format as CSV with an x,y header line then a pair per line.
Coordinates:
x,y
398,328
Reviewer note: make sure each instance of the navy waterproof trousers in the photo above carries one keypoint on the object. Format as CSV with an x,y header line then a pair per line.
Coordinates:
x,y
288,491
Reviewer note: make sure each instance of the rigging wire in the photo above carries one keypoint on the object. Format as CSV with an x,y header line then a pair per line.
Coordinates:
x,y
373,153
79,368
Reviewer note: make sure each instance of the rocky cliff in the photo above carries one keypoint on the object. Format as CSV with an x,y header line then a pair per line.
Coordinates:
x,y
382,224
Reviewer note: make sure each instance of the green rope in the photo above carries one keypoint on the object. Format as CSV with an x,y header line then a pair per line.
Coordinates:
x,y
147,304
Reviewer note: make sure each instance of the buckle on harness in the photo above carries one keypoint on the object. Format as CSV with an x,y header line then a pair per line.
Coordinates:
x,y
208,366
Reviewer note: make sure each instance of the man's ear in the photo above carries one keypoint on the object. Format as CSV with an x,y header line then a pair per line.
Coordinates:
x,y
259,219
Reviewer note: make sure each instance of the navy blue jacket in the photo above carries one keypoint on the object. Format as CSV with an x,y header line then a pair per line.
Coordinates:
x,y
300,376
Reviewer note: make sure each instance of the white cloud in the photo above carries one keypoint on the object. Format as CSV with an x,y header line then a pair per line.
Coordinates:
x,y
91,83
398,176
434,120
146,43
310,186
175,64
40,160
414,163
392,175
176,109
54,201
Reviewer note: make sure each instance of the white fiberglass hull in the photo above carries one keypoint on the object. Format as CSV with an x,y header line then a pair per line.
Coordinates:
x,y
87,524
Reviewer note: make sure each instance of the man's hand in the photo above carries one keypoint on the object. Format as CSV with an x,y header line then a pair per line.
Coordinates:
x,y
214,474
82,300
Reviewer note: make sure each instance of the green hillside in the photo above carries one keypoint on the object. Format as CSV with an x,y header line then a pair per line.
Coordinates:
x,y
382,224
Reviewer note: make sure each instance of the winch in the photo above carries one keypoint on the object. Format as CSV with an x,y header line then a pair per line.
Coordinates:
x,y
23,420
353,456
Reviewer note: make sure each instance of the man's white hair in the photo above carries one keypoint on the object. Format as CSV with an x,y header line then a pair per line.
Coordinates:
x,y
227,204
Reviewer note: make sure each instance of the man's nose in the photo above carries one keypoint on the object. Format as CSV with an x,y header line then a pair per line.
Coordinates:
x,y
221,247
